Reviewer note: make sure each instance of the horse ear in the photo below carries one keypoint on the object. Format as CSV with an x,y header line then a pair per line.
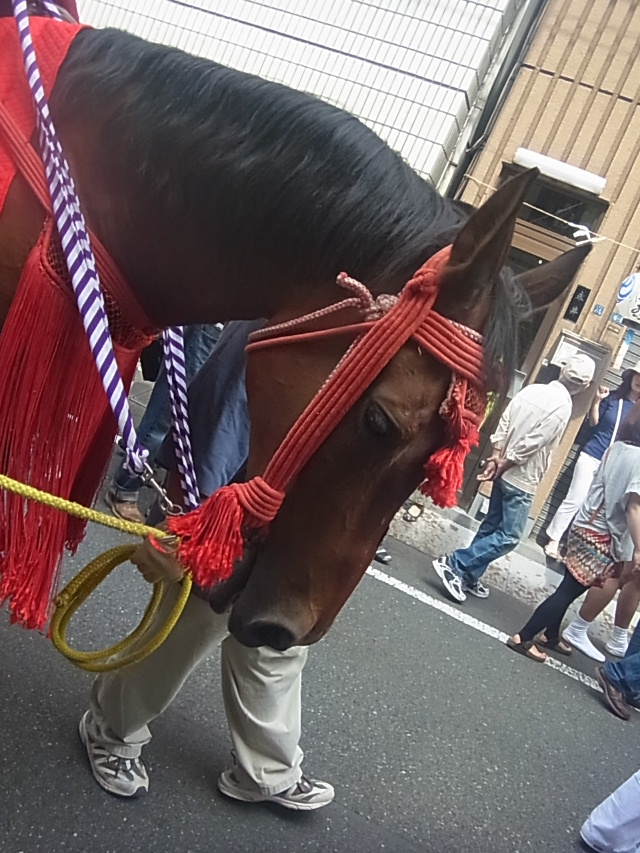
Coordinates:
x,y
480,247
547,282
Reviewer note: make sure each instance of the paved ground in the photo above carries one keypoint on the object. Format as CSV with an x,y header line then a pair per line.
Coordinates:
x,y
436,737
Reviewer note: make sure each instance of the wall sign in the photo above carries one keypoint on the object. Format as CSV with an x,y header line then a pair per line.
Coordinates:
x,y
578,301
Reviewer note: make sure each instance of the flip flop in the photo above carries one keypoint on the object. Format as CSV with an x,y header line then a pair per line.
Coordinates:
x,y
525,649
558,646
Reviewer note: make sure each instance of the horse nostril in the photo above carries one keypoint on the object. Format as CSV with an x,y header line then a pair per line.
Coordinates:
x,y
271,634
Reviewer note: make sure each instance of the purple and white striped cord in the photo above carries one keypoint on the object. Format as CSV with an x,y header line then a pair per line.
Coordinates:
x,y
86,286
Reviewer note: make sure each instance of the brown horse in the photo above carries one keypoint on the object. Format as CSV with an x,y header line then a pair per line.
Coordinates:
x,y
220,196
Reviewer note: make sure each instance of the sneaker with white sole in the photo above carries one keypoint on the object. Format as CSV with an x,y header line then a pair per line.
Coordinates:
x,y
618,646
124,777
382,555
478,589
450,580
580,640
306,795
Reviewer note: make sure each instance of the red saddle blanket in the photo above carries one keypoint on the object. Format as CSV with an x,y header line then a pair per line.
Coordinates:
x,y
56,427
51,40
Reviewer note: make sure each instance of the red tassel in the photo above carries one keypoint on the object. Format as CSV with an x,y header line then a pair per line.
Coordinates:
x,y
211,536
444,473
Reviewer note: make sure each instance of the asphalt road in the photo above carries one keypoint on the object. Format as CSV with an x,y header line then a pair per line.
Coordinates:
x,y
435,736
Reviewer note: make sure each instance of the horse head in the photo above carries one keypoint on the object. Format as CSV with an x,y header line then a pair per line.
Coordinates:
x,y
292,583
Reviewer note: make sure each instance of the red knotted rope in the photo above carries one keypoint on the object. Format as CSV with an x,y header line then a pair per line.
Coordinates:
x,y
211,538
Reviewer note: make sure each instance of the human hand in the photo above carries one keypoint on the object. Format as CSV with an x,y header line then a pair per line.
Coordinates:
x,y
156,561
635,562
602,392
490,470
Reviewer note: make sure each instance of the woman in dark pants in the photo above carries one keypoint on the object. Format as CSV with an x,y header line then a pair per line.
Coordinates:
x,y
604,535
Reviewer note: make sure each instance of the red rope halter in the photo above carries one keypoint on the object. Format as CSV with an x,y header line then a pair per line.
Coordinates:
x,y
211,538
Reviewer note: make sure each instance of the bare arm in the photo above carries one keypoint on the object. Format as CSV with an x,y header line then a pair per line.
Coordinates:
x,y
594,411
633,523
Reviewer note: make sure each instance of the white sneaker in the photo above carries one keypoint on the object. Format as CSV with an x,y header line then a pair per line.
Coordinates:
x,y
478,589
124,777
306,795
450,580
618,648
579,640
551,550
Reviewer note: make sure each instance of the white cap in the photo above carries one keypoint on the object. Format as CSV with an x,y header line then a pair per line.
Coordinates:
x,y
579,369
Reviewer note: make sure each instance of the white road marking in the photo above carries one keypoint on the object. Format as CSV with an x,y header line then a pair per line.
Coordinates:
x,y
472,622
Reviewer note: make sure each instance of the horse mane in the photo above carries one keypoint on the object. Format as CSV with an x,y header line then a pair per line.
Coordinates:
x,y
283,180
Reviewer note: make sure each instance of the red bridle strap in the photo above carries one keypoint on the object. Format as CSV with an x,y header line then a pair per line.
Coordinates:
x,y
211,538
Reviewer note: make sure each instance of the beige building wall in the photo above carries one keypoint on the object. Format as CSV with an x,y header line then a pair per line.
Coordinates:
x,y
576,99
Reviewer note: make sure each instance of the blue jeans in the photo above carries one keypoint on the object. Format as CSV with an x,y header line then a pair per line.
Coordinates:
x,y
625,674
498,534
199,341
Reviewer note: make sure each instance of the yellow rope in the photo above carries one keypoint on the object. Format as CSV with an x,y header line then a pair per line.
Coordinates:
x,y
79,589
76,509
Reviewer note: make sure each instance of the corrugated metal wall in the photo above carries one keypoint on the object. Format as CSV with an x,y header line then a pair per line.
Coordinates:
x,y
410,69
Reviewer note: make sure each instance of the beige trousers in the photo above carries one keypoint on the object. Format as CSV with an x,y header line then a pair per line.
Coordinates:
x,y
261,690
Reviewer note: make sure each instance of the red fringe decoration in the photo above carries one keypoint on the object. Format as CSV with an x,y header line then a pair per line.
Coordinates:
x,y
56,434
445,472
462,409
211,536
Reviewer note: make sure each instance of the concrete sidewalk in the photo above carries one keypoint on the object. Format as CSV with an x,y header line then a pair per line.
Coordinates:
x,y
526,574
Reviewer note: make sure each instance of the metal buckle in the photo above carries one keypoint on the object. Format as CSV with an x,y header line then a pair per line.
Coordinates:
x,y
166,504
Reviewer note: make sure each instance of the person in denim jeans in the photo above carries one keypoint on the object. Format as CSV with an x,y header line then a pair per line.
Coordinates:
x,y
528,432
620,681
122,496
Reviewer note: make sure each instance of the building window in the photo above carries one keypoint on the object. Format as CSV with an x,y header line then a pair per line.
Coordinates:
x,y
562,201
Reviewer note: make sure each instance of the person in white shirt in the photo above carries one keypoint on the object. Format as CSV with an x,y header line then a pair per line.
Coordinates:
x,y
528,432
614,825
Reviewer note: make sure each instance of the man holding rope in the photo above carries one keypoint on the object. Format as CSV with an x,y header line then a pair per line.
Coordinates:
x,y
261,687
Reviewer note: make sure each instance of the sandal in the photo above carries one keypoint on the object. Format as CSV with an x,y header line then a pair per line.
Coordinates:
x,y
558,646
525,649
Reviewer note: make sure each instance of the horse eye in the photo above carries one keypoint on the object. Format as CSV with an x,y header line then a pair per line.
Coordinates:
x,y
378,421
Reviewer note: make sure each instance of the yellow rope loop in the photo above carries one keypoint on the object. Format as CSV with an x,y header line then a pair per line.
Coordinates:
x,y
113,657
79,589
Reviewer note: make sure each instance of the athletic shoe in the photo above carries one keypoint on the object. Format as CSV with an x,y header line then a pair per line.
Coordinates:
x,y
580,640
618,648
304,796
124,777
613,698
382,555
450,580
478,589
